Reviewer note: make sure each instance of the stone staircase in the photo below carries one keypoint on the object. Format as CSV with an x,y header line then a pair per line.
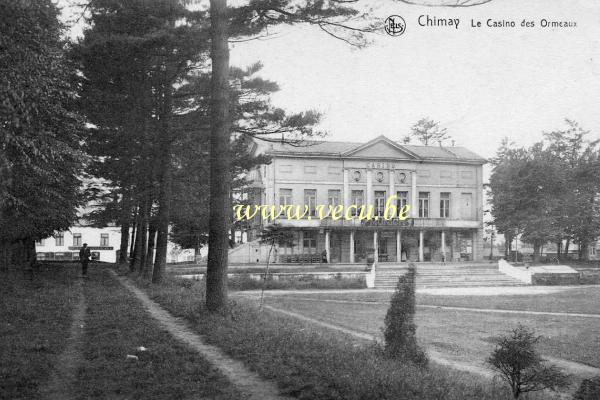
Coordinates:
x,y
438,275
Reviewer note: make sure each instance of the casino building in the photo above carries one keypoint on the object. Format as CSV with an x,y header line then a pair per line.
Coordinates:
x,y
443,186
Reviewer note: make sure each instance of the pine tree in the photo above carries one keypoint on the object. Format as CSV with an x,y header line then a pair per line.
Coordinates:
x,y
133,58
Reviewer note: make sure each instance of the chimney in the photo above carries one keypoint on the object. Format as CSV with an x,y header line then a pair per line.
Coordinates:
x,y
440,143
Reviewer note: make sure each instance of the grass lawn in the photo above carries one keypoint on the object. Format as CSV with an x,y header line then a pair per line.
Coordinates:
x,y
574,299
310,362
116,325
462,335
34,317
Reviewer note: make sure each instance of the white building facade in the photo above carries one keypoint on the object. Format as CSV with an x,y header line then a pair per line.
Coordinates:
x,y
442,185
104,244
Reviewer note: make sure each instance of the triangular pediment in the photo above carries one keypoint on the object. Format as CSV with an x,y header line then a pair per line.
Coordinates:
x,y
381,147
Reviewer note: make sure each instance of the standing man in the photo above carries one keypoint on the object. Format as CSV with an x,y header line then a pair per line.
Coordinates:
x,y
84,256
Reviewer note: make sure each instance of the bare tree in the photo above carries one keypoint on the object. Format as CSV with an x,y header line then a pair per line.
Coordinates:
x,y
427,131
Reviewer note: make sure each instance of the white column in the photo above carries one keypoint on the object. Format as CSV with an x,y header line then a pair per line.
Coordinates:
x,y
391,187
351,246
414,204
369,196
398,245
346,190
327,250
443,245
421,256
375,247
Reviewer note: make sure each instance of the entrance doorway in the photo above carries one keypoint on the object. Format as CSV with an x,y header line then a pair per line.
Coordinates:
x,y
382,248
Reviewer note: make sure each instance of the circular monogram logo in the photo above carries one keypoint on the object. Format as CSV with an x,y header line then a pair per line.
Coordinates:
x,y
394,25
357,176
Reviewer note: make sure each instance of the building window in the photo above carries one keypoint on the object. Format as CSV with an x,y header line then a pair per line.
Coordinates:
x,y
310,201
444,205
379,202
309,241
59,239
285,197
104,240
333,197
76,239
401,201
423,204
357,200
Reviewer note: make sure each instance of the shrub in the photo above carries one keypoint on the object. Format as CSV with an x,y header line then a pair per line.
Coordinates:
x,y
588,390
399,329
519,364
242,282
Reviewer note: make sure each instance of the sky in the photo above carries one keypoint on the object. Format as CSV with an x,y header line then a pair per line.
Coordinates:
x,y
482,84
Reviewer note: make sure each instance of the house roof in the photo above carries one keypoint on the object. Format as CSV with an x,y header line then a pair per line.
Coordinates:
x,y
354,149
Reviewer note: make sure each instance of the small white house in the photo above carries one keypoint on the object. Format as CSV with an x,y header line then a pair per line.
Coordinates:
x,y
103,243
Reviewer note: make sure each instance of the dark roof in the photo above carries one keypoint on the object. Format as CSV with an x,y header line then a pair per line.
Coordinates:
x,y
331,148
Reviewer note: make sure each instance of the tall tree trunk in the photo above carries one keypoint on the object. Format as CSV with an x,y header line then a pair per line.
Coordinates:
x,y
28,257
125,220
133,236
137,246
536,251
162,222
584,253
30,251
567,245
559,249
143,233
148,265
216,272
164,196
